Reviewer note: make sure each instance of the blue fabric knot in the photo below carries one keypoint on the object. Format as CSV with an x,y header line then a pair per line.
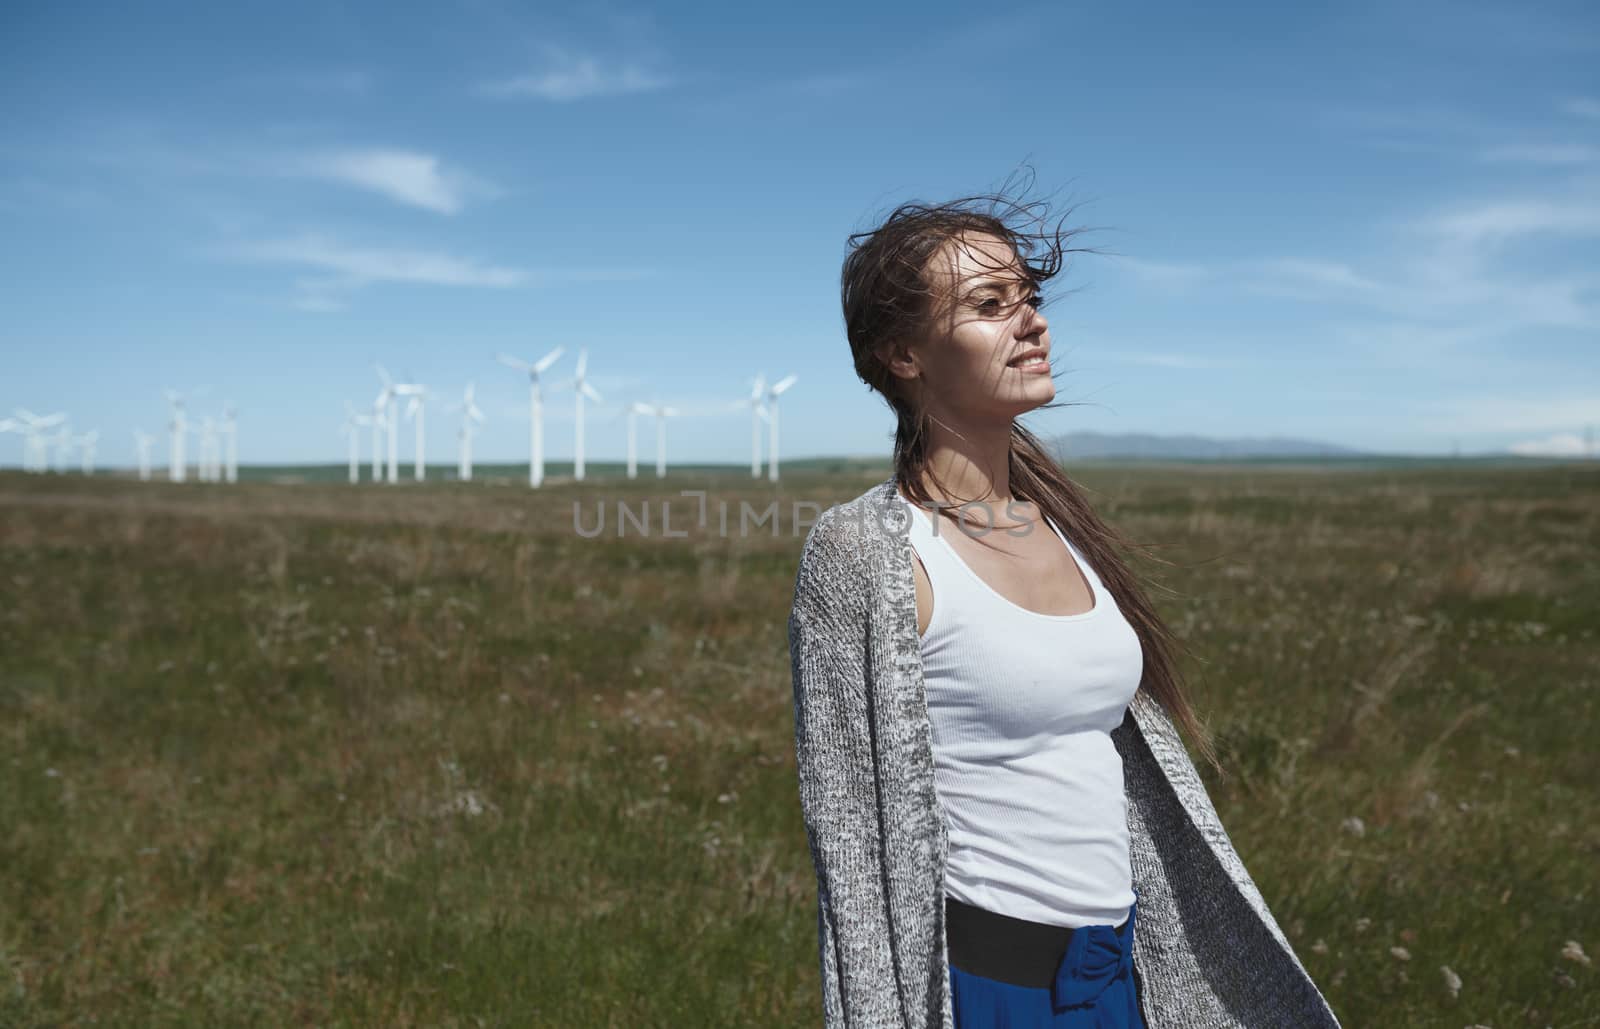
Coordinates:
x,y
1097,956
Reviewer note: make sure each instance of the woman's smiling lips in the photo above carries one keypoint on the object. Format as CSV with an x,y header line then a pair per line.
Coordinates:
x,y
1032,362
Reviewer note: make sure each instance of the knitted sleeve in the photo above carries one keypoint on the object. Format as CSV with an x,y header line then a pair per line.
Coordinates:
x,y
828,636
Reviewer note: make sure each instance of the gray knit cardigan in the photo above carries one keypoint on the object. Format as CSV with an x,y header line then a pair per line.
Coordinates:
x,y
1207,952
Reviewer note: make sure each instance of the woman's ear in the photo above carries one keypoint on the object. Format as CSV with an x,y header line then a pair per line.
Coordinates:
x,y
899,359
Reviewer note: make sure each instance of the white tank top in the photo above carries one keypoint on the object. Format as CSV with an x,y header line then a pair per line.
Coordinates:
x,y
1021,706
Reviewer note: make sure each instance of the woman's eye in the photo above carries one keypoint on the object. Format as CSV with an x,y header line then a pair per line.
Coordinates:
x,y
990,305
1035,300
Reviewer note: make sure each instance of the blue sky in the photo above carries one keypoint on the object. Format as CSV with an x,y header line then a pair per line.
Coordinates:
x,y
1373,224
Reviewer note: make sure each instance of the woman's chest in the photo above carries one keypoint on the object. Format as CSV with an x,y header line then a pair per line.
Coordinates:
x,y
1017,680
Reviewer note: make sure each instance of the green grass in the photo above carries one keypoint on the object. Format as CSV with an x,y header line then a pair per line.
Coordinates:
x,y
308,754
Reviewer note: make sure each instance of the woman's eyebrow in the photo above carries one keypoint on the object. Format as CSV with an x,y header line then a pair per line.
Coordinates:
x,y
1001,285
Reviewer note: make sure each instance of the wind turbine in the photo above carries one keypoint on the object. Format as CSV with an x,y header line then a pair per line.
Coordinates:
x,y
353,424
142,441
177,427
86,444
12,425
581,388
207,470
634,409
376,418
470,417
230,429
777,390
662,414
387,410
535,408
758,414
64,441
36,448
417,392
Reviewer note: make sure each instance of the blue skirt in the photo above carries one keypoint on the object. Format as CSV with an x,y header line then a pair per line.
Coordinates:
x,y
1094,988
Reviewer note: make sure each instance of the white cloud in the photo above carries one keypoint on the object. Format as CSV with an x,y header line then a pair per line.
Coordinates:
x,y
405,176
345,269
1583,107
1489,223
567,77
358,266
1170,274
1562,444
1543,153
1557,415
1307,278
1166,360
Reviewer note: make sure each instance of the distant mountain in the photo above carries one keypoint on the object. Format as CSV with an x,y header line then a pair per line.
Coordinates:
x,y
1091,445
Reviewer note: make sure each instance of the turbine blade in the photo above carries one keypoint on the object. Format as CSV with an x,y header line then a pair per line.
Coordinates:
x,y
549,359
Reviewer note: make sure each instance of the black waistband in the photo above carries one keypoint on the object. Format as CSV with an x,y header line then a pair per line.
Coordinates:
x,y
1000,947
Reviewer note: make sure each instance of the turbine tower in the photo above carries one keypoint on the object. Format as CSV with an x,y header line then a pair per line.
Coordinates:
x,y
635,409
414,412
353,424
230,430
12,425
535,408
208,450
141,442
376,419
387,406
86,444
662,414
64,441
757,404
777,390
36,447
177,427
471,417
581,389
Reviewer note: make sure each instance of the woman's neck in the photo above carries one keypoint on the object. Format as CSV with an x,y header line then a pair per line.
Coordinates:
x,y
974,468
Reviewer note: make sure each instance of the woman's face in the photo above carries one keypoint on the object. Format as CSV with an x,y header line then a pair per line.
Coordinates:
x,y
986,352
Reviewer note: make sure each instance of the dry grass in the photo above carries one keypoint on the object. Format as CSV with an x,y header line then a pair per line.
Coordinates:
x,y
312,754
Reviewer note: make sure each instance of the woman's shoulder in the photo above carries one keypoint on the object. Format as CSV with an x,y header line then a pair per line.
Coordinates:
x,y
860,527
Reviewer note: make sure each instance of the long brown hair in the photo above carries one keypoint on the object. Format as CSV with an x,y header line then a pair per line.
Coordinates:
x,y
887,298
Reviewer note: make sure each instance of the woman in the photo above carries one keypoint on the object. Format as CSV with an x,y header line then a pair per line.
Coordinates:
x,y
1006,828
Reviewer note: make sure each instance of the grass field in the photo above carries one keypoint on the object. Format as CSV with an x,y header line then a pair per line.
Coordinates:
x,y
391,756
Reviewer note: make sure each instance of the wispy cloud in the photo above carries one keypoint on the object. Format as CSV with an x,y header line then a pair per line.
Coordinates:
x,y
361,266
408,177
1542,153
1504,220
1170,274
1307,278
1440,289
1556,414
1165,360
1583,107
566,77
345,268
1562,444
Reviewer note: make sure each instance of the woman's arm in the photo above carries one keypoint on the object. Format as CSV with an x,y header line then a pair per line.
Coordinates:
x,y
828,630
